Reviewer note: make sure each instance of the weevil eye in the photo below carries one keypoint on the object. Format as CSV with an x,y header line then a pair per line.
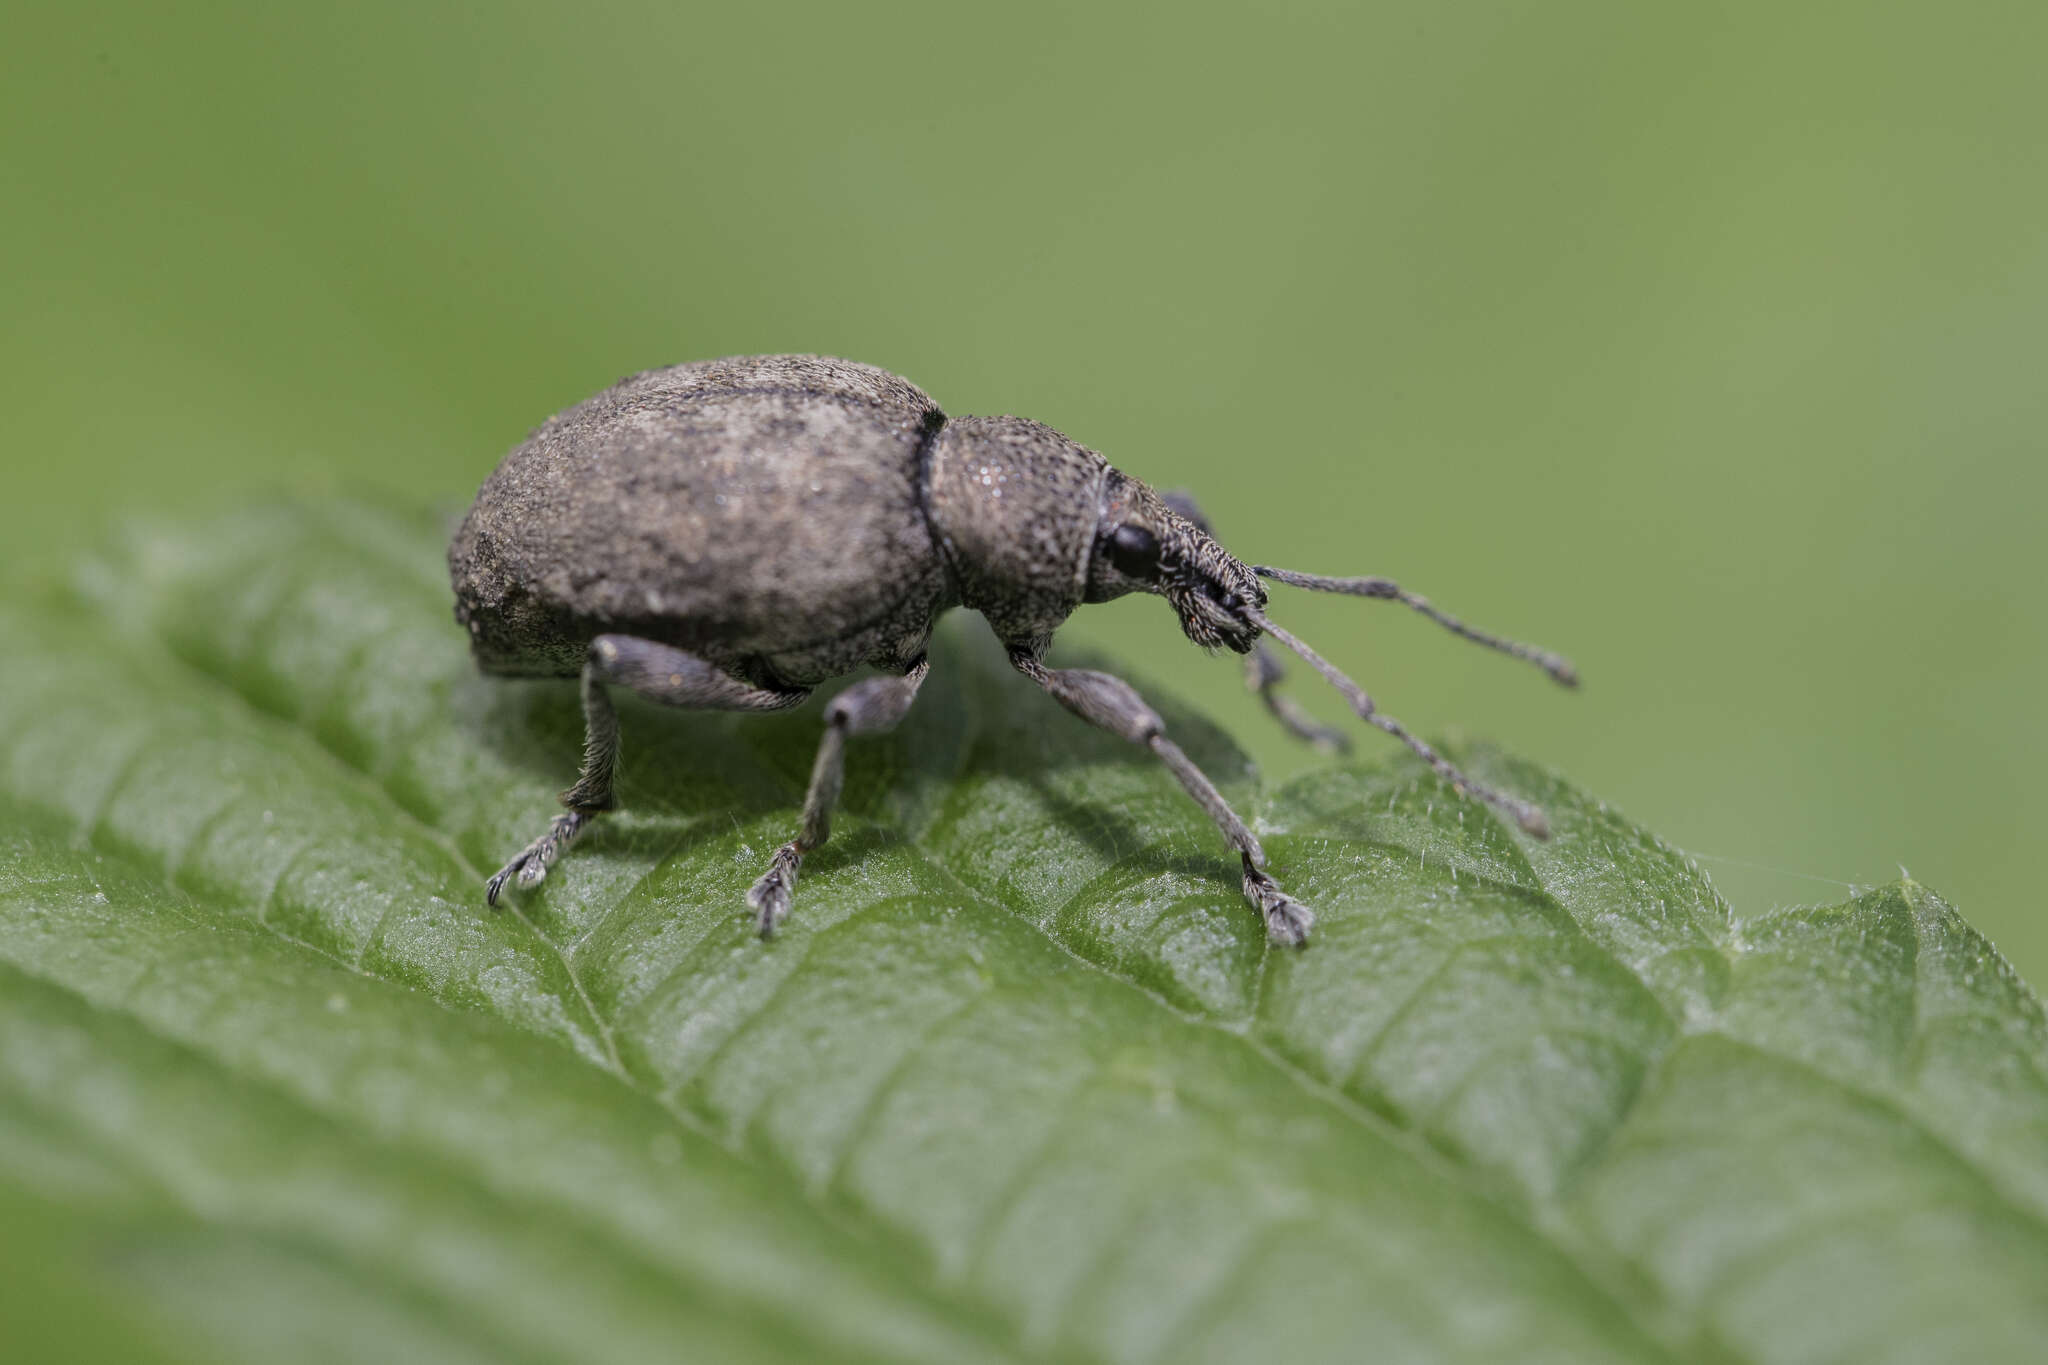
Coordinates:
x,y
1134,551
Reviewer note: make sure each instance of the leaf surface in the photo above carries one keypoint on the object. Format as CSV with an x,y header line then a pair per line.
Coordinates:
x,y
1020,1079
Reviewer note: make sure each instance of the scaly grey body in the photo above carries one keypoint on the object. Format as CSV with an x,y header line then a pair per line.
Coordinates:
x,y
729,534
738,510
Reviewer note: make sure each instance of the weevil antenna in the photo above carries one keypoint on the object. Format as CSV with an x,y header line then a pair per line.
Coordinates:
x,y
1529,817
1556,665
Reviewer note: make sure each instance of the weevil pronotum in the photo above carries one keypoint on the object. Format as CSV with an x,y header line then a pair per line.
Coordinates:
x,y
731,534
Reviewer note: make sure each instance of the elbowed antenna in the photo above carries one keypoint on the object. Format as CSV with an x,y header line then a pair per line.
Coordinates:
x,y
1556,665
1528,816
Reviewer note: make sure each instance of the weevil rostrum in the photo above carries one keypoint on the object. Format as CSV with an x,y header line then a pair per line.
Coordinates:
x,y
731,534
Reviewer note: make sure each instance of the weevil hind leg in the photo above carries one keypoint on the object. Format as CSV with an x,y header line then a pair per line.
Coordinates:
x,y
1110,703
869,707
661,673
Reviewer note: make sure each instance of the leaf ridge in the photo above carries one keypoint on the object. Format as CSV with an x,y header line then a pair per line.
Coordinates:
x,y
1892,1106
1407,1136
363,781
556,1215
863,1126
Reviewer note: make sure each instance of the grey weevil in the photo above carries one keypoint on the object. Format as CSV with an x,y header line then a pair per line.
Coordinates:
x,y
732,533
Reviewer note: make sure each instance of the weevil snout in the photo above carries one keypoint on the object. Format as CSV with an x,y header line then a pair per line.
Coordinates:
x,y
1143,544
1213,594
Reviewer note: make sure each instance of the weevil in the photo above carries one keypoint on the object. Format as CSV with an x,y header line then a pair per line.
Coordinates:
x,y
732,533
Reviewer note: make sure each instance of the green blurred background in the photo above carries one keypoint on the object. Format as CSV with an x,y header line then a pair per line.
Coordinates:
x,y
1704,343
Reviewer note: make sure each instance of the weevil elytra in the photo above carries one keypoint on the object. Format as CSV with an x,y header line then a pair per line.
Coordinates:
x,y
731,534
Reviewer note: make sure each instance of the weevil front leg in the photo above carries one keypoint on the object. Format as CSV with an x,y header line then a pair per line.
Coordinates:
x,y
869,707
1114,705
658,672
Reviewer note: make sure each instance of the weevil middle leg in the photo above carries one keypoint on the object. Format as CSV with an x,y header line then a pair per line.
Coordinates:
x,y
869,707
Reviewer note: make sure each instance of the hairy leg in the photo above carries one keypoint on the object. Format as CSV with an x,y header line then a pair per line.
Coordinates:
x,y
658,672
869,707
1114,705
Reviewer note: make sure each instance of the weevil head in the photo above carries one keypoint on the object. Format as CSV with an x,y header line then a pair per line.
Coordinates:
x,y
1032,525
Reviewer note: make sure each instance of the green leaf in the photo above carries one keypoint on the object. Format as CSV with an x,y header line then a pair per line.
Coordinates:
x,y
1020,1079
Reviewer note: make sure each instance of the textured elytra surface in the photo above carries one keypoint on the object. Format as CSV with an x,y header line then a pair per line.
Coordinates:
x,y
1019,1080
761,512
